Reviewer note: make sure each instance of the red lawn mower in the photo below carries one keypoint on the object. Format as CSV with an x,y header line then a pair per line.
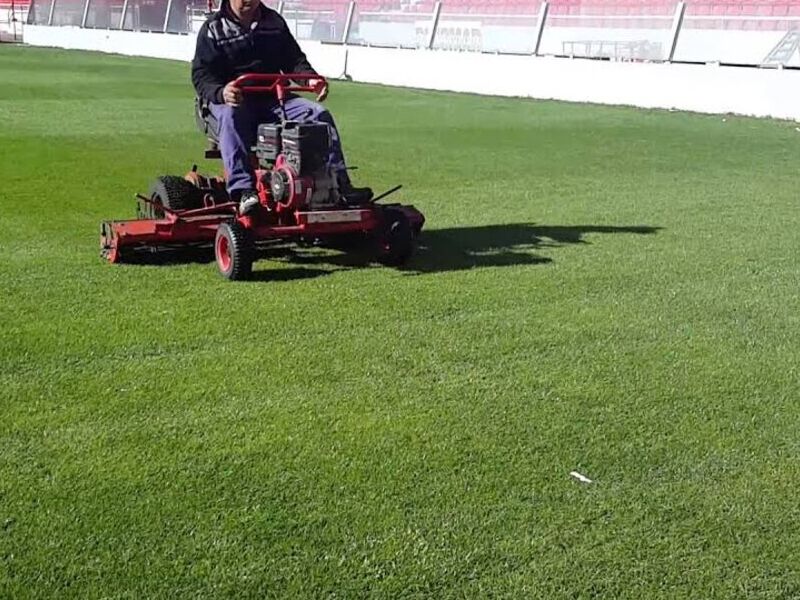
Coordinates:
x,y
299,200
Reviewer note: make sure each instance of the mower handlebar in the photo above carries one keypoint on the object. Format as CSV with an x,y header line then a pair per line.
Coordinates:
x,y
279,83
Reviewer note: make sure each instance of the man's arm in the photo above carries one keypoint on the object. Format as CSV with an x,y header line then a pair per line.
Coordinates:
x,y
205,69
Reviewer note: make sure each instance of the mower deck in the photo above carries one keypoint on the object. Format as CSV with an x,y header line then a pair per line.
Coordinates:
x,y
199,226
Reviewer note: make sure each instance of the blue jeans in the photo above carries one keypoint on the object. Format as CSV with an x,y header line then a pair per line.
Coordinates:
x,y
238,128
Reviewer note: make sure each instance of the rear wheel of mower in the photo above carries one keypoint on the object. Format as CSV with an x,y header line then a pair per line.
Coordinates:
x,y
175,193
396,238
233,248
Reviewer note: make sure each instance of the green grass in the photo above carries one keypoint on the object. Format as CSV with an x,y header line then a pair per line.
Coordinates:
x,y
599,289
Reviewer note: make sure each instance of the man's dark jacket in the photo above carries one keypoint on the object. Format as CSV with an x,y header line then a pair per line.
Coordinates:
x,y
226,50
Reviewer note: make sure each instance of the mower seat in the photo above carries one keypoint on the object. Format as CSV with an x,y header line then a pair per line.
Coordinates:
x,y
208,125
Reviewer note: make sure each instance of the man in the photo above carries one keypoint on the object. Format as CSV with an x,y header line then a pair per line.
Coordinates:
x,y
245,36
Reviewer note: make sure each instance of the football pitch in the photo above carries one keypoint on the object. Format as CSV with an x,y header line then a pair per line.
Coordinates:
x,y
604,290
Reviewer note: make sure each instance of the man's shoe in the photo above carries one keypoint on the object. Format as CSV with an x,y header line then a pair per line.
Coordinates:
x,y
248,201
355,195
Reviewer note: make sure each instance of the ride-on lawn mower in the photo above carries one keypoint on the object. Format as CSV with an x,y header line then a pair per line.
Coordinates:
x,y
298,194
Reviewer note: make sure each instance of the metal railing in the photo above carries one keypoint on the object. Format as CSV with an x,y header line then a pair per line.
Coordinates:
x,y
12,20
548,29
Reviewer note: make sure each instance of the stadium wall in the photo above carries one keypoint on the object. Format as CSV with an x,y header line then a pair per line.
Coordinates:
x,y
698,88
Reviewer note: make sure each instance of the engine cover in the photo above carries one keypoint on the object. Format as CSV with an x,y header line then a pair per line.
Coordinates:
x,y
297,155
306,146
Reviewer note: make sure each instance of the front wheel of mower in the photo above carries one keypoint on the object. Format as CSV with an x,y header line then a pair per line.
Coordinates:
x,y
233,248
396,240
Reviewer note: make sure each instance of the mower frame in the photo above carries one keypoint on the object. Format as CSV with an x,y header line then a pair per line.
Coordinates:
x,y
392,227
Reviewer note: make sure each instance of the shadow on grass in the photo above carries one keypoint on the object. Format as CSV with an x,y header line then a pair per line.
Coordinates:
x,y
502,245
439,250
290,274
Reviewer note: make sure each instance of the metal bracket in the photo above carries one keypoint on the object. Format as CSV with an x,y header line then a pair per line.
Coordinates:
x,y
123,15
166,16
540,23
677,24
85,13
351,10
437,11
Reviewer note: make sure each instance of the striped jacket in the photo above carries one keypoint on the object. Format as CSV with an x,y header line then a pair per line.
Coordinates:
x,y
226,49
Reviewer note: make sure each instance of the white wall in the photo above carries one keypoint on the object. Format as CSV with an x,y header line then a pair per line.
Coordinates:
x,y
131,43
700,88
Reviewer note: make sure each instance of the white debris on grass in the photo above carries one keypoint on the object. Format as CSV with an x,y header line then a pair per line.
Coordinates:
x,y
579,477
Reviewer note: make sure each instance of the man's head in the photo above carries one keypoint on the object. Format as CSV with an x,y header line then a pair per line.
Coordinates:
x,y
245,10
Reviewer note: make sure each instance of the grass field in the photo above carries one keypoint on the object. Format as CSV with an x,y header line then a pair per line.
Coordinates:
x,y
599,289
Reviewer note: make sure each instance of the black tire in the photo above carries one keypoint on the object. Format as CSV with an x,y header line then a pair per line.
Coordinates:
x,y
234,251
396,241
175,193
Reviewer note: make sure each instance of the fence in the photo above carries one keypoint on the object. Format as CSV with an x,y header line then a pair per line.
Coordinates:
x,y
13,15
765,33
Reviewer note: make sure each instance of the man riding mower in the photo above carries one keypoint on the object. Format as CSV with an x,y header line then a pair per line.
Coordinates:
x,y
245,36
285,176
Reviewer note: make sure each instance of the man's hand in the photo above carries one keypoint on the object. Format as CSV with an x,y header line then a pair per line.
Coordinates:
x,y
320,88
232,95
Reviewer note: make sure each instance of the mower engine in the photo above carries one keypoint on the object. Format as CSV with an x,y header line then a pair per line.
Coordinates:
x,y
296,174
